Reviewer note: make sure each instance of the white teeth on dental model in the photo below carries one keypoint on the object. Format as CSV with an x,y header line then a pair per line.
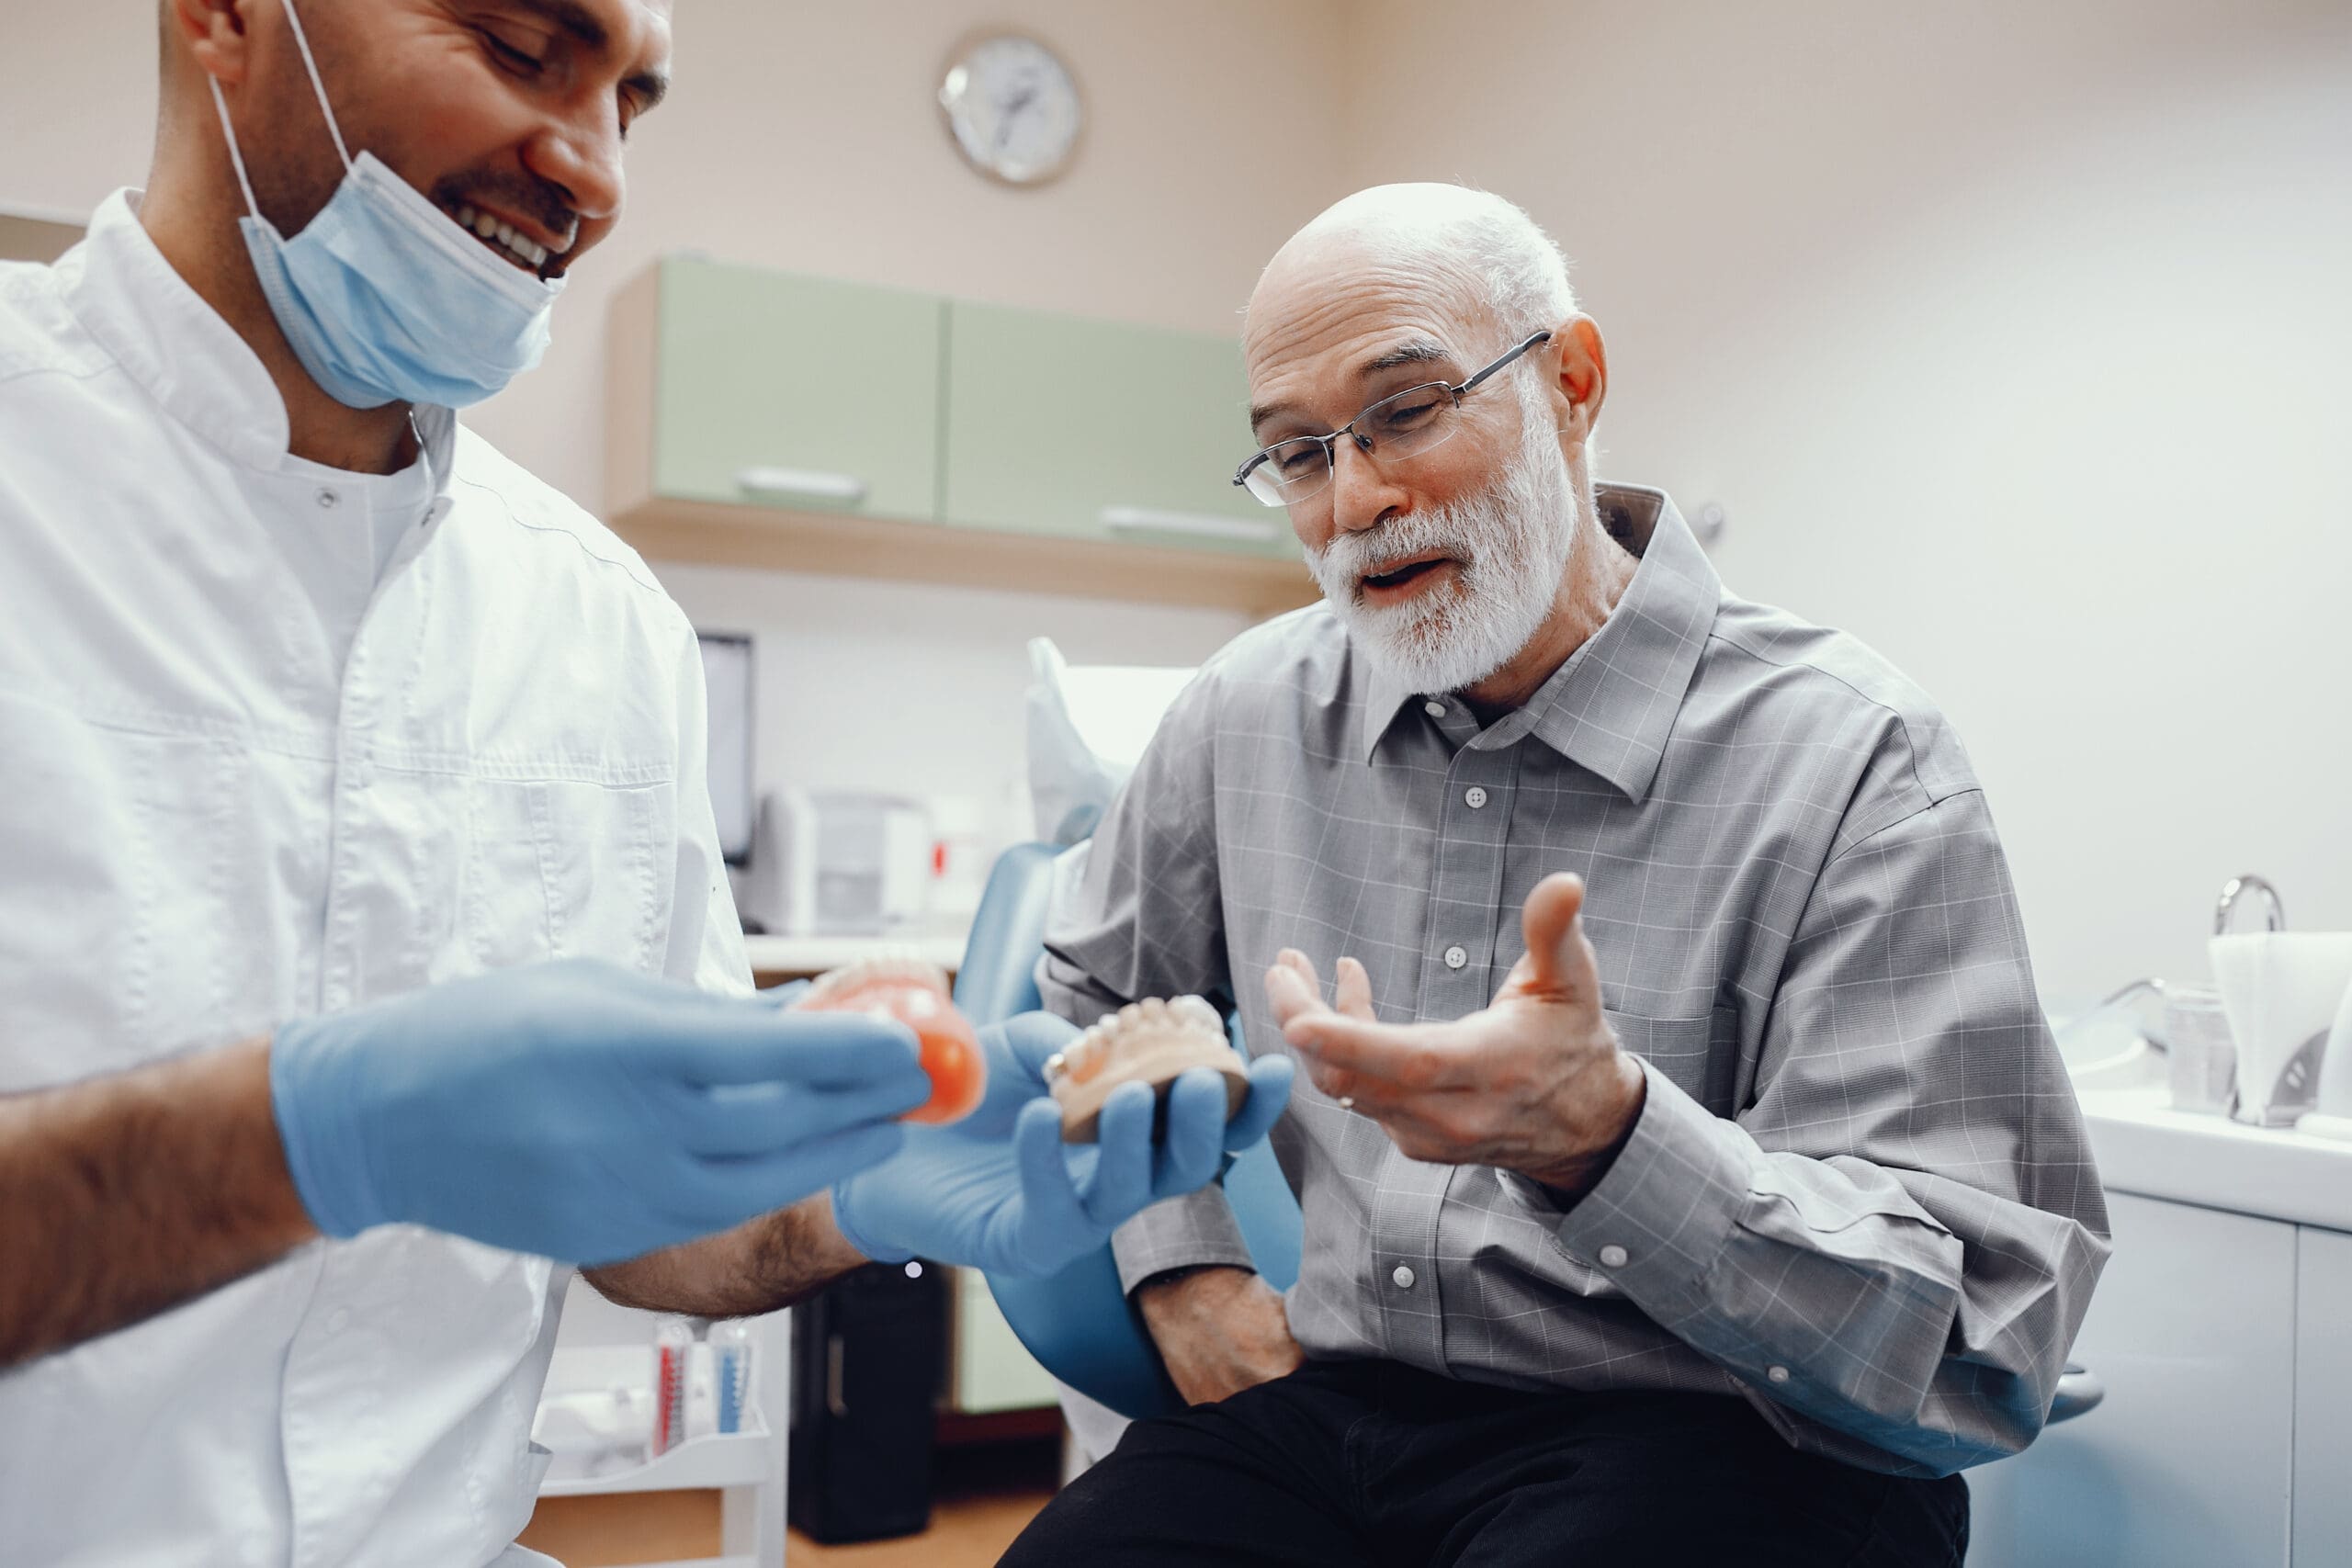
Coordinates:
x,y
1152,1042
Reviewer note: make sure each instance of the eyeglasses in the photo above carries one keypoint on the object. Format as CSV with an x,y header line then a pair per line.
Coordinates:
x,y
1398,426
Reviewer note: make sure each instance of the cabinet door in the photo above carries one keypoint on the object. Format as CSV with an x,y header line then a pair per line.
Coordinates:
x,y
2322,1399
1097,431
2187,1462
804,392
993,1371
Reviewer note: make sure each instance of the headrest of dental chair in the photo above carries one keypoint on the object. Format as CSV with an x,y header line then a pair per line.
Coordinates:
x,y
998,977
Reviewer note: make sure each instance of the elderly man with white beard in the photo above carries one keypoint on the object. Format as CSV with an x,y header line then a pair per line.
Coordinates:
x,y
1688,1174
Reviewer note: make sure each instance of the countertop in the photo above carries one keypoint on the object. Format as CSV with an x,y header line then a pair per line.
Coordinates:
x,y
2143,1145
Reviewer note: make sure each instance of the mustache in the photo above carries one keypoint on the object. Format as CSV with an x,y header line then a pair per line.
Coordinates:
x,y
541,201
1342,565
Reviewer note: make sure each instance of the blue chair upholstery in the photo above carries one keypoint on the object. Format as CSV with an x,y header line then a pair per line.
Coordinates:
x,y
1079,1323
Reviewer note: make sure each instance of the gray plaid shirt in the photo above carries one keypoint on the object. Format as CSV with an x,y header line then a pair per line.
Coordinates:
x,y
1860,1193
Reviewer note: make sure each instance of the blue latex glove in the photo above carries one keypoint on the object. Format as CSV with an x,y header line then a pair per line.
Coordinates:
x,y
1000,1190
580,1111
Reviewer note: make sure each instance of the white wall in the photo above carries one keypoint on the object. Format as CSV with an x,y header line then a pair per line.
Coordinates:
x,y
2011,334
2014,337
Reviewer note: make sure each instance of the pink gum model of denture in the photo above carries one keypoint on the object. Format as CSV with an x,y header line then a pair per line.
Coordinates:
x,y
1151,1042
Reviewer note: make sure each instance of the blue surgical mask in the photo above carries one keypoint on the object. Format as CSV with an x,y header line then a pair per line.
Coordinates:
x,y
383,296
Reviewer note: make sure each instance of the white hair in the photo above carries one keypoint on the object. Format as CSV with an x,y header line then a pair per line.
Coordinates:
x,y
1524,274
1474,240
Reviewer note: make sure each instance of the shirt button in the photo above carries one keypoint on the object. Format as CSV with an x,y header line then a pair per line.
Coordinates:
x,y
1474,797
1613,1257
1778,1374
1403,1278
328,498
338,1320
1455,957
1433,708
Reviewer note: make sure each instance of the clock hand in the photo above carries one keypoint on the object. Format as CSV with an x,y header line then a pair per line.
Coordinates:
x,y
1009,111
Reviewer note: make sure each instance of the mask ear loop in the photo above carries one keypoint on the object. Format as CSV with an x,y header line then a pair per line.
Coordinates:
x,y
236,159
302,42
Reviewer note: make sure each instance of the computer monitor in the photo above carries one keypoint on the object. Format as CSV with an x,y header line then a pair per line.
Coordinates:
x,y
727,675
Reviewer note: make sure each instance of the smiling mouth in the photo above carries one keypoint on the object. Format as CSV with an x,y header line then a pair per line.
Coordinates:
x,y
506,242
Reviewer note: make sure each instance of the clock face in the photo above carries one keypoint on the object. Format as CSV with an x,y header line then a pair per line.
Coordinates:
x,y
1012,107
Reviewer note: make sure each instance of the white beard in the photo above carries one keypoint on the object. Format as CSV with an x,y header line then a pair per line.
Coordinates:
x,y
1513,540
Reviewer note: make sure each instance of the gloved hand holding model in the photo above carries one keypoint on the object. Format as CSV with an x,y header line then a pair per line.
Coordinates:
x,y
1000,1190
580,1111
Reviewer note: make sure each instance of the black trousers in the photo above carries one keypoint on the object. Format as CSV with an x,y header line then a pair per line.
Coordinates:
x,y
1371,1462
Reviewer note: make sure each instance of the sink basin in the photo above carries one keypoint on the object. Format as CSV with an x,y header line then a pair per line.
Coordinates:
x,y
2103,1048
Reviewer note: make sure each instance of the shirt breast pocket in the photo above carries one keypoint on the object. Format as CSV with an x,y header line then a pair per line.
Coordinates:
x,y
1700,1055
563,868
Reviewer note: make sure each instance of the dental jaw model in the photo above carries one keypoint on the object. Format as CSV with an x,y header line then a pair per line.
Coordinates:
x,y
1150,1041
910,991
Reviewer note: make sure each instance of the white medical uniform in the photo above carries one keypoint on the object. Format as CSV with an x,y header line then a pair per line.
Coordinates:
x,y
277,739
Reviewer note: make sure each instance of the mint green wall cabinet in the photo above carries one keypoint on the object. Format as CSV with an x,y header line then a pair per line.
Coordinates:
x,y
758,418
1096,430
778,389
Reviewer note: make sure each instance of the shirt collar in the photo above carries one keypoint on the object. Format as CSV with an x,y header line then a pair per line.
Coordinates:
x,y
190,360
1611,705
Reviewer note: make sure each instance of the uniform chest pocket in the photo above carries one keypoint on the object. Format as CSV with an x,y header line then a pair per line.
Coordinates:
x,y
566,869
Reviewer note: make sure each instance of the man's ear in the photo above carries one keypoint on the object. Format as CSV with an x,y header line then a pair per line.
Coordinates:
x,y
213,33
1580,363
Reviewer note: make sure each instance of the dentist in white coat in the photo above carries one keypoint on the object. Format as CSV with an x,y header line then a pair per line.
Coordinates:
x,y
366,957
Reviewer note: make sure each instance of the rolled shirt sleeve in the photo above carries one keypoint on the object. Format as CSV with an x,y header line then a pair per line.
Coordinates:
x,y
1899,1235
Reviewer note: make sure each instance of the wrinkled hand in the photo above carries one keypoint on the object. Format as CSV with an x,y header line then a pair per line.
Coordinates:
x,y
1000,1190
1219,1330
580,1111
1534,1082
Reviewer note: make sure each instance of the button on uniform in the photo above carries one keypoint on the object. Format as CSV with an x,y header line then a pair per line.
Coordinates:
x,y
1403,1278
1434,709
328,498
1456,956
1613,1257
1778,1374
1474,797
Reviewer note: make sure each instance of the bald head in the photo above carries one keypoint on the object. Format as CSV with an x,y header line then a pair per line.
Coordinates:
x,y
1467,254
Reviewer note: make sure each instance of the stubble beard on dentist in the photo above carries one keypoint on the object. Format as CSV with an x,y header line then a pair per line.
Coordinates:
x,y
1511,544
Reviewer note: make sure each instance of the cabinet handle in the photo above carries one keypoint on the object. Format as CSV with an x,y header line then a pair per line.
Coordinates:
x,y
1145,520
805,484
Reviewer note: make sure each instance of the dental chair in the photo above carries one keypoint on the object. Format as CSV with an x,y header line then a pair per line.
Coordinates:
x,y
1079,1323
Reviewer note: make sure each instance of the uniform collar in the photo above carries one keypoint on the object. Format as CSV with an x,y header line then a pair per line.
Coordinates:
x,y
1611,705
198,371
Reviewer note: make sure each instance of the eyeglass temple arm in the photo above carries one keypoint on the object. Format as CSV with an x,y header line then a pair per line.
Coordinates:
x,y
1472,384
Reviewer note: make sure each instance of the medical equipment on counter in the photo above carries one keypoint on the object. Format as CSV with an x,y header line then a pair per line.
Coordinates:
x,y
2333,1117
2203,1067
2282,990
846,863
2186,1023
